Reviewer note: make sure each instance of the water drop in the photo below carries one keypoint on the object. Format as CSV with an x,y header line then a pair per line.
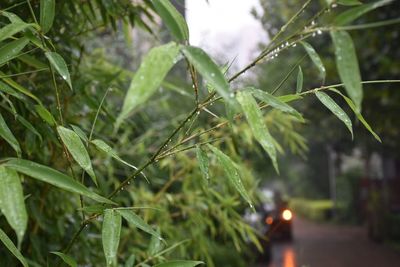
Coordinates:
x,y
198,112
129,182
319,32
232,95
276,55
313,22
313,35
212,74
287,44
294,45
334,5
122,188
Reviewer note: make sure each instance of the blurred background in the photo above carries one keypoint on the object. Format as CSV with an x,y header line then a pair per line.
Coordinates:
x,y
344,193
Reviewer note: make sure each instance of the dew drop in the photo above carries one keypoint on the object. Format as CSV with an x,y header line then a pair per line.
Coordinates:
x,y
319,32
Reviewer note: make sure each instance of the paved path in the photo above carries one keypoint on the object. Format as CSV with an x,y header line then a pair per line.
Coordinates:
x,y
323,245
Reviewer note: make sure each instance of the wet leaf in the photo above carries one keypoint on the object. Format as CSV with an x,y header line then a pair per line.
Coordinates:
x,y
11,247
66,258
79,132
148,78
349,2
77,149
203,161
131,261
7,135
354,13
60,66
29,126
315,59
274,102
255,119
110,235
358,114
179,263
53,177
299,84
335,109
172,19
18,87
12,49
231,172
347,65
45,115
209,70
138,222
11,29
289,98
12,203
47,10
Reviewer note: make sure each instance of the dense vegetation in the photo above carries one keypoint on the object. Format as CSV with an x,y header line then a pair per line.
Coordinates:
x,y
95,157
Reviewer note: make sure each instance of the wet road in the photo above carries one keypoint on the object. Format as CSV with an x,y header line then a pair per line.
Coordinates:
x,y
322,245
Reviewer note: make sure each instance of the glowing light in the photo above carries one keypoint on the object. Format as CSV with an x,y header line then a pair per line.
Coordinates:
x,y
287,215
269,220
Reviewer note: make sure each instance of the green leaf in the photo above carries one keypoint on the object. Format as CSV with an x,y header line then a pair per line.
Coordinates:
x,y
155,66
209,70
203,161
79,132
66,258
138,222
299,84
45,115
155,245
12,49
29,126
60,66
11,247
47,10
289,98
131,261
7,135
347,65
349,2
110,235
256,121
18,87
354,13
8,90
12,203
11,29
231,172
335,109
172,19
77,149
103,146
53,177
315,59
358,114
274,102
179,263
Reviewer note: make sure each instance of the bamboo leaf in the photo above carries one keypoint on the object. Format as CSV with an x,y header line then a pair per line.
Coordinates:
x,y
80,133
29,126
179,263
231,172
289,98
45,115
11,247
203,161
299,84
11,29
12,49
103,146
255,119
66,258
18,87
274,102
53,177
349,2
60,66
209,70
47,10
110,235
354,13
77,149
155,66
347,65
12,203
172,19
358,114
335,109
315,59
135,221
7,135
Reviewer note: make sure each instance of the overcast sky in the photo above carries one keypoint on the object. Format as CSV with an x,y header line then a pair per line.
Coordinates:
x,y
225,27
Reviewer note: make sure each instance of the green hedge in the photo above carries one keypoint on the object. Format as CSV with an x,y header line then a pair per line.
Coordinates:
x,y
318,210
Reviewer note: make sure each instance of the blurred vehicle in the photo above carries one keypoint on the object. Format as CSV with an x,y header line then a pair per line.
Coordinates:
x,y
272,219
